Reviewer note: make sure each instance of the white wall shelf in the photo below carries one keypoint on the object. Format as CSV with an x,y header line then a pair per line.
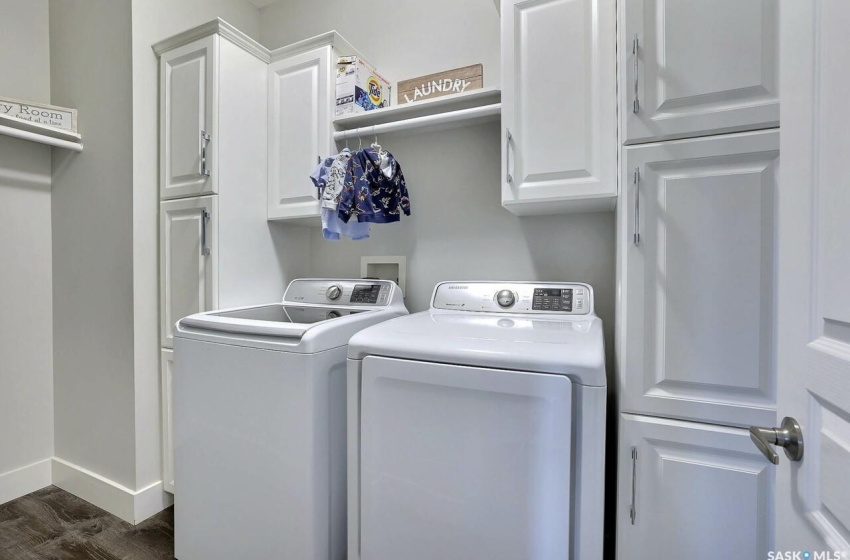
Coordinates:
x,y
40,133
483,105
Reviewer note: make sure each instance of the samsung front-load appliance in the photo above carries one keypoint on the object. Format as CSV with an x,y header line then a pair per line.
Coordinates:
x,y
477,429
259,422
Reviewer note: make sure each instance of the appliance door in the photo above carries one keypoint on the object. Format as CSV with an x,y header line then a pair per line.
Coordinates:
x,y
463,462
257,437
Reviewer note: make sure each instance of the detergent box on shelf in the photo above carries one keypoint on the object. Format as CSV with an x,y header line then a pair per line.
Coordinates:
x,y
358,87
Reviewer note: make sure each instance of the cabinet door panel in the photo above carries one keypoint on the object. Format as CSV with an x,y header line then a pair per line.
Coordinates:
x,y
699,286
167,372
187,106
187,274
558,104
299,131
700,492
703,67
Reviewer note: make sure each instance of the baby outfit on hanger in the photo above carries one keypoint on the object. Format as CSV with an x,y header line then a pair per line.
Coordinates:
x,y
374,189
329,177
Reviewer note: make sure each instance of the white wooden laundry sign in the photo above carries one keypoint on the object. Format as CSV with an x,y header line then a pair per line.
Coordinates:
x,y
49,115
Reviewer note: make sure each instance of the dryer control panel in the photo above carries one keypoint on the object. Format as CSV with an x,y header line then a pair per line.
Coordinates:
x,y
515,297
340,293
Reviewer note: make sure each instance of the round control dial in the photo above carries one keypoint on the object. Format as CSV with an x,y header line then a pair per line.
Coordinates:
x,y
334,292
505,298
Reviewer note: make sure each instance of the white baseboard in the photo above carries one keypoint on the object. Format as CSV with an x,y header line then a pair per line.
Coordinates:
x,y
133,506
24,480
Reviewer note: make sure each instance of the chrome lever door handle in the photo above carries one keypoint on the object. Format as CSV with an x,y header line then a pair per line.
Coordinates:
x,y
788,435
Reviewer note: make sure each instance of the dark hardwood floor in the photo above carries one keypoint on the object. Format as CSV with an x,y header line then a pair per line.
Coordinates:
x,y
51,524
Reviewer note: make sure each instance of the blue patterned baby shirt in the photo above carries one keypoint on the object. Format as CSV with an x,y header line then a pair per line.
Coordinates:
x,y
374,189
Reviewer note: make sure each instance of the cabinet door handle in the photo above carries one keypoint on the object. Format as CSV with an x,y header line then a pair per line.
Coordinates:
x,y
637,207
635,50
508,140
633,507
205,217
205,140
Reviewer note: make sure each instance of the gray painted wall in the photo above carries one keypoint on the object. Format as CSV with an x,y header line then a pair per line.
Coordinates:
x,y
458,229
26,333
403,38
92,205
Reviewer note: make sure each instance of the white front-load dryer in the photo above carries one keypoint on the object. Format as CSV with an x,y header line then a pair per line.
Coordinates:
x,y
476,430
259,422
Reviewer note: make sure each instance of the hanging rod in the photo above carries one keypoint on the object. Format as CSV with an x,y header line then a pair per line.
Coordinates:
x,y
421,122
40,138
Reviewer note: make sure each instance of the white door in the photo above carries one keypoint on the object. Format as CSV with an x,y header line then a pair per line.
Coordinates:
x,y
167,377
691,491
462,462
698,227
299,131
697,67
187,128
188,234
559,106
813,495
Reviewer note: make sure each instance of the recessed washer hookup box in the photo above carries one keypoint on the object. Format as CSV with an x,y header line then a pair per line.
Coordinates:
x,y
359,87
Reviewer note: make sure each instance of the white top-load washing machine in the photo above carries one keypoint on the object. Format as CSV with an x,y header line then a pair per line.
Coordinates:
x,y
259,422
476,430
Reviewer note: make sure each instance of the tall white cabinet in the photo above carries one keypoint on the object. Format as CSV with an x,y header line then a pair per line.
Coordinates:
x,y
213,186
696,275
559,106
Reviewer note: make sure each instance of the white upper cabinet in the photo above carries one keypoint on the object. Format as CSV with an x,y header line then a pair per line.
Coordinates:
x,y
692,491
559,106
187,119
697,67
188,257
698,233
301,94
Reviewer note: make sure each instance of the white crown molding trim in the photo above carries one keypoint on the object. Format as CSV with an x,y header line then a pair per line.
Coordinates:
x,y
216,26
22,481
330,38
133,506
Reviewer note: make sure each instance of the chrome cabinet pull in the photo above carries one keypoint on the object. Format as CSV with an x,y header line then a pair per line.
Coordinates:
x,y
635,50
637,207
633,508
508,139
205,140
205,217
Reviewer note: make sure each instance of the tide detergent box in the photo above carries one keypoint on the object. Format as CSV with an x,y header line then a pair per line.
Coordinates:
x,y
358,87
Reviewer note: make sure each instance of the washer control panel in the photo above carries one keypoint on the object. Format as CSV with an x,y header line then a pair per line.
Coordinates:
x,y
515,297
359,293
